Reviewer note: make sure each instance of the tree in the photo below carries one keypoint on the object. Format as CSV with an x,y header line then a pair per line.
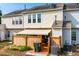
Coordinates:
x,y
0,16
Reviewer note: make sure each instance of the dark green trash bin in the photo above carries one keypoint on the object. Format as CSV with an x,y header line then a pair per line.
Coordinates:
x,y
37,47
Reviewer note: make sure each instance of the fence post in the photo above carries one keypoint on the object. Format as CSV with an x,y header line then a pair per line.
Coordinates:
x,y
49,43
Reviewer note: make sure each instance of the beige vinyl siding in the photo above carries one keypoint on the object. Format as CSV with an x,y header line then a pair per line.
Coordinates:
x,y
47,19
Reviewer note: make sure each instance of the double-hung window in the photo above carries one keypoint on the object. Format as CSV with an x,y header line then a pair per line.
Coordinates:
x,y
13,22
39,18
34,18
29,18
20,21
73,37
16,21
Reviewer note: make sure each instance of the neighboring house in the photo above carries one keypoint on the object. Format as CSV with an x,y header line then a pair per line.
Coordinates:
x,y
56,20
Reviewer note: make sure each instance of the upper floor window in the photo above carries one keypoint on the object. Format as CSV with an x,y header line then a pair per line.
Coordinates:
x,y
29,18
34,18
39,18
16,20
13,22
20,21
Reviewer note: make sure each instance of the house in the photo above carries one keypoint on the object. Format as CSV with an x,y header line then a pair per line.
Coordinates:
x,y
56,22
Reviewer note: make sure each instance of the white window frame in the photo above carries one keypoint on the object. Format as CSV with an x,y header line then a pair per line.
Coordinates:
x,y
36,18
16,19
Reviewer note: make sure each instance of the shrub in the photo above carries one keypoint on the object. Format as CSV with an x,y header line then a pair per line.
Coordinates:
x,y
60,51
20,48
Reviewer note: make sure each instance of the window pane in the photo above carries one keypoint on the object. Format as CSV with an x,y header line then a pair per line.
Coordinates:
x,y
39,18
13,22
16,22
8,34
20,21
29,18
73,35
34,18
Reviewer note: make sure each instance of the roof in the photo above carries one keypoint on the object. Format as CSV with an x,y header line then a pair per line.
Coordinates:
x,y
34,32
44,7
14,13
41,7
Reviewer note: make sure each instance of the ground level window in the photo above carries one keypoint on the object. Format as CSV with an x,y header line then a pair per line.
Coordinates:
x,y
73,37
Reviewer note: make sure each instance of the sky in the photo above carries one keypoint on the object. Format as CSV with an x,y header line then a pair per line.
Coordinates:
x,y
9,7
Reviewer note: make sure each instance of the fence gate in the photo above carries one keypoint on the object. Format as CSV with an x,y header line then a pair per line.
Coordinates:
x,y
55,44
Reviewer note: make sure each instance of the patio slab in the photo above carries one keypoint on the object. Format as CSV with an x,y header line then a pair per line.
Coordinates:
x,y
33,53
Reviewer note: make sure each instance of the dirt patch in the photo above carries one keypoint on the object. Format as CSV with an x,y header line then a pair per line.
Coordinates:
x,y
4,51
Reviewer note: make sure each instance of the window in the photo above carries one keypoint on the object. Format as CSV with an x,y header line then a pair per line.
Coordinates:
x,y
20,21
17,22
39,18
74,36
29,18
8,34
34,18
65,17
13,22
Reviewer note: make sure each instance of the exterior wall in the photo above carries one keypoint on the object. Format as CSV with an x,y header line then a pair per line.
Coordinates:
x,y
8,22
46,22
2,32
56,32
72,16
2,35
77,36
47,19
12,32
66,36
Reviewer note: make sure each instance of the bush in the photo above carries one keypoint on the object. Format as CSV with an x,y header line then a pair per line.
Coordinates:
x,y
60,51
20,48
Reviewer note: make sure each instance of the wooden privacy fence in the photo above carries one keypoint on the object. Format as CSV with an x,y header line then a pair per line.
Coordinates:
x,y
56,41
26,41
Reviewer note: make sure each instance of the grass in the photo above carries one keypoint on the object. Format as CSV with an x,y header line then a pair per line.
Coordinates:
x,y
20,48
